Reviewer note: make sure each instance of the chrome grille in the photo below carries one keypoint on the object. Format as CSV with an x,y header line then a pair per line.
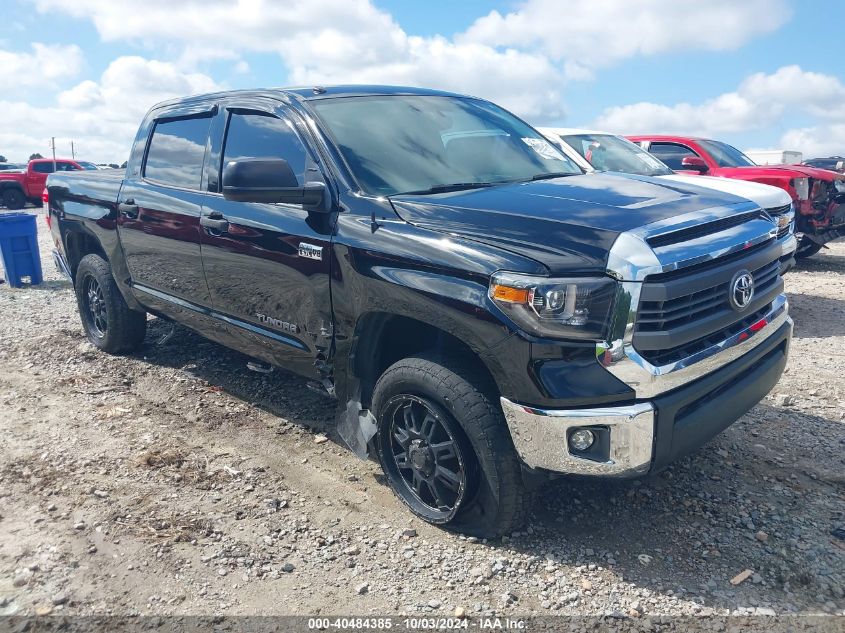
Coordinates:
x,y
682,314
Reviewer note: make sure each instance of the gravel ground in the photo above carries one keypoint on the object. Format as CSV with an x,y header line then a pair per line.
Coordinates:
x,y
176,481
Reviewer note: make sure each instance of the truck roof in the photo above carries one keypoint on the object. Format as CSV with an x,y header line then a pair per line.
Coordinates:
x,y
667,137
571,131
50,160
312,93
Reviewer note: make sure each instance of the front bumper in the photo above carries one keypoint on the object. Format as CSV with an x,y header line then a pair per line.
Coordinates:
x,y
648,435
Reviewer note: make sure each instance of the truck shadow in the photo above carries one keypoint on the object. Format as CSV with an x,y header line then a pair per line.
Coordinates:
x,y
823,261
280,393
815,316
676,533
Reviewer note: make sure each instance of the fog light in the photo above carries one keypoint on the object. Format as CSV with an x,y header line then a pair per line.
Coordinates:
x,y
581,439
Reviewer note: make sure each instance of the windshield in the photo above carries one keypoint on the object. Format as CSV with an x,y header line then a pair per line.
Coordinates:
x,y
726,155
606,152
86,165
395,144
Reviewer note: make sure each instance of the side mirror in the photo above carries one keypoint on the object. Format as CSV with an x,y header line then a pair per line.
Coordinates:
x,y
694,163
271,180
840,166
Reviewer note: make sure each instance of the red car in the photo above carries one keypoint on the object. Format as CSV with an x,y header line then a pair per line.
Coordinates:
x,y
818,194
16,188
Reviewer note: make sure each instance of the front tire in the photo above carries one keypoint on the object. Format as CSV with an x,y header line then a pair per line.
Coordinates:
x,y
14,199
109,323
445,449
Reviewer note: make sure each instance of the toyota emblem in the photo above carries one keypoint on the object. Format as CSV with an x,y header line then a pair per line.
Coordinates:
x,y
741,290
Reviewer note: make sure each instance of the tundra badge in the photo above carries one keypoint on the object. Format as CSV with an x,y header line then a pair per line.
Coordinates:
x,y
310,251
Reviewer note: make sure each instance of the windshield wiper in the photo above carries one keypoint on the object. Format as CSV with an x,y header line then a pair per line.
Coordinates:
x,y
455,186
555,174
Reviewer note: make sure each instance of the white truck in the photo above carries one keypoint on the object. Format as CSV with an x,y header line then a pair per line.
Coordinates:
x,y
775,156
603,151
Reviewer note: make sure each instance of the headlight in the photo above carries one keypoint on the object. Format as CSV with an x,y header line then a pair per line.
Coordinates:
x,y
555,308
840,185
802,187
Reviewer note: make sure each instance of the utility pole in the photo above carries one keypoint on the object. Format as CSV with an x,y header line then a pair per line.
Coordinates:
x,y
53,145
72,153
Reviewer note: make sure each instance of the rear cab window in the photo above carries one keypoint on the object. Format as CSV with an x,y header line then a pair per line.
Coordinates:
x,y
671,153
177,151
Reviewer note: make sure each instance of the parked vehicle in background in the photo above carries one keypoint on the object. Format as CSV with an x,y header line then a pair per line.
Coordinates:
x,y
485,313
602,151
18,188
774,156
833,163
819,194
11,167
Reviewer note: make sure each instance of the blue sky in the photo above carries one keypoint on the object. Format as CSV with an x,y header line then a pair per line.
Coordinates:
x,y
763,74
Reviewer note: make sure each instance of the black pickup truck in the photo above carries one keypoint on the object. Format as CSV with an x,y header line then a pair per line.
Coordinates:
x,y
486,314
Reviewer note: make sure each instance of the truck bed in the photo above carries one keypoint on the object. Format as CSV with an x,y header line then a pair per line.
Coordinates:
x,y
99,188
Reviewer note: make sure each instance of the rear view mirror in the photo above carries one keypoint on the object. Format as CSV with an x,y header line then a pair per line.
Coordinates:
x,y
694,163
270,180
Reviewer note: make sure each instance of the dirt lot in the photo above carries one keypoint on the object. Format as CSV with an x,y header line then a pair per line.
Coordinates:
x,y
178,481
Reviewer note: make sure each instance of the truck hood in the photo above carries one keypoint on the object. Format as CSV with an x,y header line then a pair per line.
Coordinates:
x,y
767,196
784,171
568,224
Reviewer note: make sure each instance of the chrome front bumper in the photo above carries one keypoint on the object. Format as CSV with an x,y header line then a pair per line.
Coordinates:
x,y
541,438
647,380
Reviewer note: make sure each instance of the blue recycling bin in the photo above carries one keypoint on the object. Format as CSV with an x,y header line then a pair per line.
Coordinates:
x,y
19,248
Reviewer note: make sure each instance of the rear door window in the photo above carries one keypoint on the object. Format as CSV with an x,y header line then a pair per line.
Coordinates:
x,y
177,151
43,168
671,153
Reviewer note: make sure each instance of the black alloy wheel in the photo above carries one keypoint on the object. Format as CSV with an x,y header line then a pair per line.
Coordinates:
x,y
96,314
425,458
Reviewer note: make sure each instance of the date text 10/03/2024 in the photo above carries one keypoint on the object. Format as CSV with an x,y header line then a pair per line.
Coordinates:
x,y
417,624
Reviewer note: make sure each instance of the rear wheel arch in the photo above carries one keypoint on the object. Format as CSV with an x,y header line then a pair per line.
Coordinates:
x,y
78,244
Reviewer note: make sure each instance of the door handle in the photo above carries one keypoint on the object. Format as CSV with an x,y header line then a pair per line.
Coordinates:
x,y
214,221
128,208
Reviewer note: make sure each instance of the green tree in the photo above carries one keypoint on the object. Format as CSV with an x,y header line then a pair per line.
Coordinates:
x,y
35,155
3,159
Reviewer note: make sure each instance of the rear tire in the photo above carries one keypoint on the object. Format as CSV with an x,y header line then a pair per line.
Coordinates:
x,y
14,199
481,493
109,323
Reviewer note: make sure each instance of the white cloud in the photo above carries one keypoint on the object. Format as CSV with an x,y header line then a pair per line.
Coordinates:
x,y
522,59
595,33
45,64
761,100
816,141
331,41
101,117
